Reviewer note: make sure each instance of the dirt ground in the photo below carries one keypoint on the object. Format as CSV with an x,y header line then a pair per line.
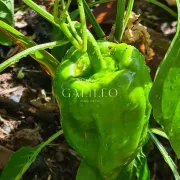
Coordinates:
x,y
29,113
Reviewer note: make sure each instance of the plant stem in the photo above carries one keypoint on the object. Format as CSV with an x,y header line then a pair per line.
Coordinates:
x,y
128,13
93,21
166,8
38,150
70,23
65,8
166,157
52,138
119,19
94,53
51,19
67,5
83,25
74,30
178,7
55,9
91,4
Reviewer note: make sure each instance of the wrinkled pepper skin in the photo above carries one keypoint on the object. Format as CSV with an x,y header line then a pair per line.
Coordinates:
x,y
105,113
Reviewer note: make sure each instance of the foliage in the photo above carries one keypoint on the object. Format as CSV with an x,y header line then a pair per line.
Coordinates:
x,y
25,157
6,15
166,109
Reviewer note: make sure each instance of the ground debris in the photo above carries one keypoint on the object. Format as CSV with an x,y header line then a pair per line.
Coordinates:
x,y
169,28
20,19
135,32
26,138
7,126
27,110
171,2
44,102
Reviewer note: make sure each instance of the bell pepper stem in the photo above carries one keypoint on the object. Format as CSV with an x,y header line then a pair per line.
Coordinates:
x,y
94,53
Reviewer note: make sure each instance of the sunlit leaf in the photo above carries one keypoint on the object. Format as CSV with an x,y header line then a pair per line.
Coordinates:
x,y
165,92
22,159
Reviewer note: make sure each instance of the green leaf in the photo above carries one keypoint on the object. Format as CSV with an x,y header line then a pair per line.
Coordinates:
x,y
43,57
33,51
6,15
165,155
127,15
141,167
22,159
19,163
159,132
92,19
137,169
10,5
165,92
119,19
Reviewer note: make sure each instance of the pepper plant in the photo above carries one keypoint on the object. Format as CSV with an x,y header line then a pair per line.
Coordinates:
x,y
104,92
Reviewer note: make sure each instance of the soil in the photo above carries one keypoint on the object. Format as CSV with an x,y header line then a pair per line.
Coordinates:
x,y
29,113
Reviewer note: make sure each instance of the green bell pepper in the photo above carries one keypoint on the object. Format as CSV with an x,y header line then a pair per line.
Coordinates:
x,y
104,105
